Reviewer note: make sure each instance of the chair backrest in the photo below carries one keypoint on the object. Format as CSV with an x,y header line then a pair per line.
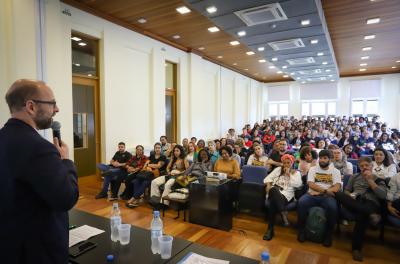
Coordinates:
x,y
242,159
254,174
354,162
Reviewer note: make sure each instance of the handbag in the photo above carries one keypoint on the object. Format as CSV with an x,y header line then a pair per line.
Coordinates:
x,y
184,181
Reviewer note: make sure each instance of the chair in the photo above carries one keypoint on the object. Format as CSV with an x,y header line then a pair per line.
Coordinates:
x,y
252,190
354,162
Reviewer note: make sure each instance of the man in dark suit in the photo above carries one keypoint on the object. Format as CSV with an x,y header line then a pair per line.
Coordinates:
x,y
38,181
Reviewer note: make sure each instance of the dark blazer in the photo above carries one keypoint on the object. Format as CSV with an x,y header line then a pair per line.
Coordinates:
x,y
37,188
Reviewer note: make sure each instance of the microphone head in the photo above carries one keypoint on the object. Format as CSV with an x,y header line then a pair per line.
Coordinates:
x,y
56,125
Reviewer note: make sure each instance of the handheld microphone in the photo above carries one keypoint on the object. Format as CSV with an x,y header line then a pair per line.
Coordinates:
x,y
56,126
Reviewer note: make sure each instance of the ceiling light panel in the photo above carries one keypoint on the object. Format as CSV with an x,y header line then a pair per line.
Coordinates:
x,y
369,37
234,43
250,53
305,22
373,20
241,33
213,29
211,9
183,10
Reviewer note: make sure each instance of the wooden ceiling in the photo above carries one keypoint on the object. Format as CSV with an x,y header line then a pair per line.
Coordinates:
x,y
346,21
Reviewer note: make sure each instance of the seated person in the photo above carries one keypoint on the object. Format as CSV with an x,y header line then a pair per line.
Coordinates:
x,y
177,166
169,152
320,145
212,150
393,196
234,155
164,144
386,143
201,144
239,149
268,140
349,152
185,145
365,144
226,164
281,184
276,155
117,162
340,161
324,182
345,140
258,158
362,196
153,167
308,159
133,167
232,134
199,167
382,166
191,154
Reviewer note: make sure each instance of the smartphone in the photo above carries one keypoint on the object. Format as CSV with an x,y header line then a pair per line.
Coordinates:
x,y
81,248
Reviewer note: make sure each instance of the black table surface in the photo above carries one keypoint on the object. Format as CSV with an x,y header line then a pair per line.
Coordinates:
x,y
212,253
137,251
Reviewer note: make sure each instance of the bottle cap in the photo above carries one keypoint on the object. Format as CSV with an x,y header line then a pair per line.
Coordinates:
x,y
110,258
156,213
265,256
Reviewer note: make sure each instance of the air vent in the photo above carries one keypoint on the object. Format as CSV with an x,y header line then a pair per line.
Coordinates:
x,y
301,61
287,44
262,14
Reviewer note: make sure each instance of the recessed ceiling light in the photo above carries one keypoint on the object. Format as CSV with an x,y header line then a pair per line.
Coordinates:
x,y
176,37
332,80
274,59
261,61
305,22
327,70
394,67
90,75
369,37
363,69
82,44
202,48
241,33
77,65
250,53
363,64
234,64
76,39
298,78
271,67
303,82
285,76
219,57
279,72
330,75
183,10
398,61
213,29
260,48
234,43
366,48
365,57
314,41
324,63
373,20
320,54
142,20
323,78
211,9
292,73
246,69
284,67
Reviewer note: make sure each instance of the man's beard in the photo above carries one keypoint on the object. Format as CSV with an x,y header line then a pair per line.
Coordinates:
x,y
41,121
324,164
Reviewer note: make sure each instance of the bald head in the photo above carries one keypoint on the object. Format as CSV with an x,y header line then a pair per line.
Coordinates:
x,y
23,90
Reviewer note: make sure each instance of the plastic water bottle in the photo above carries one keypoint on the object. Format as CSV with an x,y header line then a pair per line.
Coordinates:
x,y
265,258
156,232
115,221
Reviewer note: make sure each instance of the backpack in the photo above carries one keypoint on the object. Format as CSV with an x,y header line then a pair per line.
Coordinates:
x,y
316,225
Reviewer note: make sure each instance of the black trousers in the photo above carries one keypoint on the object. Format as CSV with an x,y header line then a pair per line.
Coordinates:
x,y
123,177
277,204
361,209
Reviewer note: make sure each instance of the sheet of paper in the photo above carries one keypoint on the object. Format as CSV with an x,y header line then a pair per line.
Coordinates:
x,y
193,258
82,233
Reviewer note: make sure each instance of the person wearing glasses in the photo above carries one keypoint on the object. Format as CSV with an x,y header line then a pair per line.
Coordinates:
x,y
39,181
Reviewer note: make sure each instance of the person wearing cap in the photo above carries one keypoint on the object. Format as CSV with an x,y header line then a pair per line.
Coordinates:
x,y
280,186
324,181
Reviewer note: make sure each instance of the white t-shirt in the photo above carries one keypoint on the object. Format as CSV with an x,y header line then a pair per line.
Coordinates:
x,y
262,161
324,178
288,184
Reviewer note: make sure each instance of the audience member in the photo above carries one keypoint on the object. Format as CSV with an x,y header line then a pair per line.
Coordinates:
x,y
226,164
276,155
349,151
165,146
191,154
382,166
393,196
258,158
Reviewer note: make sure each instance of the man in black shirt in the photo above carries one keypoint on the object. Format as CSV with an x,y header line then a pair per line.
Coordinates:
x,y
274,159
116,168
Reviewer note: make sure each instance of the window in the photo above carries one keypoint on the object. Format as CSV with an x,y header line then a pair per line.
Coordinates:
x,y
317,109
283,109
273,109
305,109
332,108
321,108
364,107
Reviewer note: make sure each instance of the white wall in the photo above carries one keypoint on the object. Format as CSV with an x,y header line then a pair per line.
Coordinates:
x,y
211,99
389,107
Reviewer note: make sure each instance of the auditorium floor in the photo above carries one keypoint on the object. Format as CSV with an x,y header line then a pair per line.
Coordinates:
x,y
246,236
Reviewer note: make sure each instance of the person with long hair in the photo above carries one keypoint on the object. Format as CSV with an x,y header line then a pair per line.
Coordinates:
x,y
151,170
176,167
308,158
258,158
383,166
280,186
226,164
191,153
340,162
